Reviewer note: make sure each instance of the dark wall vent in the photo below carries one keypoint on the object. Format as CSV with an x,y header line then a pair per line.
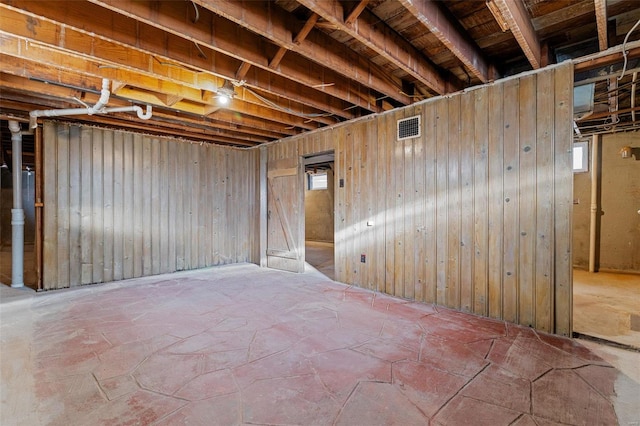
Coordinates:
x,y
409,128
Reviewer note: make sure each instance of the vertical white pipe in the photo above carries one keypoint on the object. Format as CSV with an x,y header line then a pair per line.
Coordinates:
x,y
17,213
595,172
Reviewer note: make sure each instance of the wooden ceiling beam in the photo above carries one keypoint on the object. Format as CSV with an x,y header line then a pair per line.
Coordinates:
x,y
224,36
517,18
139,63
329,54
299,38
353,15
37,90
601,22
30,70
126,121
63,27
433,17
383,40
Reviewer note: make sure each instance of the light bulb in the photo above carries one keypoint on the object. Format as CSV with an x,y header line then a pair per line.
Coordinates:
x,y
224,99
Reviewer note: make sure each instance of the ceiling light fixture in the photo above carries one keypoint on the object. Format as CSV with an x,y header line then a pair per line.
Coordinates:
x,y
495,11
226,92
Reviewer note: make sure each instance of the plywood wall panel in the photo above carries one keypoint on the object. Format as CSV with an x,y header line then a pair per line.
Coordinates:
x,y
474,214
128,183
563,203
120,205
97,210
480,189
545,132
527,200
496,200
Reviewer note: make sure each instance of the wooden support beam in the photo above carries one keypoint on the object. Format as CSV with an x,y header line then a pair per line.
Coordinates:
x,y
601,21
273,23
170,100
435,19
517,18
609,57
275,61
299,38
40,72
36,89
242,71
224,26
352,17
144,47
116,85
383,40
306,29
169,127
131,65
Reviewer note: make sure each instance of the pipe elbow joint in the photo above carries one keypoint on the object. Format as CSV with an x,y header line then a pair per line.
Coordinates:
x,y
146,115
14,126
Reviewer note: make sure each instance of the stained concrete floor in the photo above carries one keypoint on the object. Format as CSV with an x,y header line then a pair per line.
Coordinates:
x,y
244,345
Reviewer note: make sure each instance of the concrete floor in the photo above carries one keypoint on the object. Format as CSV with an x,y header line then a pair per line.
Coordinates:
x,y
607,306
244,345
320,256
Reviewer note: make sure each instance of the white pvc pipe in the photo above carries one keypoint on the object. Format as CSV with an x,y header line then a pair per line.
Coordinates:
x,y
135,108
98,108
595,171
104,98
17,212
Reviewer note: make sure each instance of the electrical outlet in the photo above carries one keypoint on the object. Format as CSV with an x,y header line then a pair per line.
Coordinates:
x,y
341,183
363,258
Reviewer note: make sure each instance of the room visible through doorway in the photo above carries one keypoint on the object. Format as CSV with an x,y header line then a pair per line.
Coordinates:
x,y
319,213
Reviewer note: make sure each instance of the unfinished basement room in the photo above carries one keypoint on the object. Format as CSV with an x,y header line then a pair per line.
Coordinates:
x,y
320,212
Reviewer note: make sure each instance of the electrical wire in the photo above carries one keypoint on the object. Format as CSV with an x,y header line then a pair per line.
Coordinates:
x,y
624,49
195,7
285,109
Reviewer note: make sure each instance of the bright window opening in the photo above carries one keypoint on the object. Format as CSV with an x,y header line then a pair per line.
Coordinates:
x,y
317,181
580,157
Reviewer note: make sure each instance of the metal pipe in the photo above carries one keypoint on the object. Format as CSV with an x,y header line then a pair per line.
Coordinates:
x,y
17,212
595,208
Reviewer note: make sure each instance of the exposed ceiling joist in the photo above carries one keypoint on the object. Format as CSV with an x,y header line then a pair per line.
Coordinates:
x,y
149,47
57,77
435,20
601,21
519,22
353,15
382,40
243,40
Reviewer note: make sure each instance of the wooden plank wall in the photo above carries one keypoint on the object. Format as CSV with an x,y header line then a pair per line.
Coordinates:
x,y
121,205
475,214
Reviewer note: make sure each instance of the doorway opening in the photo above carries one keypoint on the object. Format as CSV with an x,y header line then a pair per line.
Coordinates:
x,y
319,213
606,241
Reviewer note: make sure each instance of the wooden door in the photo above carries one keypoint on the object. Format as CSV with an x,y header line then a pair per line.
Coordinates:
x,y
285,215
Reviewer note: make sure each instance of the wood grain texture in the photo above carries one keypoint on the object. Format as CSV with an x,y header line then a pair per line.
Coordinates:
x,y
120,205
475,213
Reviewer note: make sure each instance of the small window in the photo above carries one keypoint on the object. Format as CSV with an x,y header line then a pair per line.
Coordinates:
x,y
580,157
317,181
